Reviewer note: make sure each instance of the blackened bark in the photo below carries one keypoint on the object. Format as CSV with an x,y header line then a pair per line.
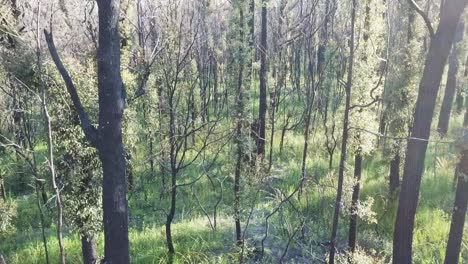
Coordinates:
x,y
88,249
111,150
450,88
263,84
452,253
170,216
394,173
2,190
174,171
108,137
283,133
354,202
344,140
88,129
310,98
272,131
415,154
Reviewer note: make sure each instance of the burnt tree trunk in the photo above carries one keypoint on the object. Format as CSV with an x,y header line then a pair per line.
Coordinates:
x,y
394,173
354,202
107,138
450,88
263,84
111,150
416,150
344,140
272,132
88,249
2,190
452,253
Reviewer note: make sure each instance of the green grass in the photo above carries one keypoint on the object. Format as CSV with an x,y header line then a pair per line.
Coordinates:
x,y
196,242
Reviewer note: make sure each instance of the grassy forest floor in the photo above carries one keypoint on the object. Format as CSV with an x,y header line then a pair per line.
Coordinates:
x,y
300,226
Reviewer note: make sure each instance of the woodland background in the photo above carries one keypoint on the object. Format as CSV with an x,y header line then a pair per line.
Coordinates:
x,y
242,131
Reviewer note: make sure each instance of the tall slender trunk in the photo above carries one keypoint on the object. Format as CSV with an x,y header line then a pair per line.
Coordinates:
x,y
58,197
272,132
354,202
344,140
50,150
452,253
416,150
107,137
170,216
42,219
214,68
239,128
306,143
110,146
88,249
283,134
451,87
263,84
174,171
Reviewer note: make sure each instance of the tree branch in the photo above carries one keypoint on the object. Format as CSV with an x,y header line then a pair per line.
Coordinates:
x,y
142,89
89,130
374,99
423,15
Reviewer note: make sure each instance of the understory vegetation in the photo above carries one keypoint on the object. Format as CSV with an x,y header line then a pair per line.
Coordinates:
x,y
233,131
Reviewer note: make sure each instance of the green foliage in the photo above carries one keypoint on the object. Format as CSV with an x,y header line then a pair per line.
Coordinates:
x,y
8,211
190,40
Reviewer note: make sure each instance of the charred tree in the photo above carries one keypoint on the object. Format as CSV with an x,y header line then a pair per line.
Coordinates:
x,y
436,58
107,137
394,173
452,253
344,140
354,202
451,86
88,249
263,83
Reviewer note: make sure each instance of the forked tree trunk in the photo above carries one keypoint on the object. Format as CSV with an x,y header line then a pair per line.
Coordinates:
x,y
416,150
107,138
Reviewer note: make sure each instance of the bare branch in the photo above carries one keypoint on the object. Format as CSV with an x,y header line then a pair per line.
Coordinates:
x,y
89,130
374,99
424,17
